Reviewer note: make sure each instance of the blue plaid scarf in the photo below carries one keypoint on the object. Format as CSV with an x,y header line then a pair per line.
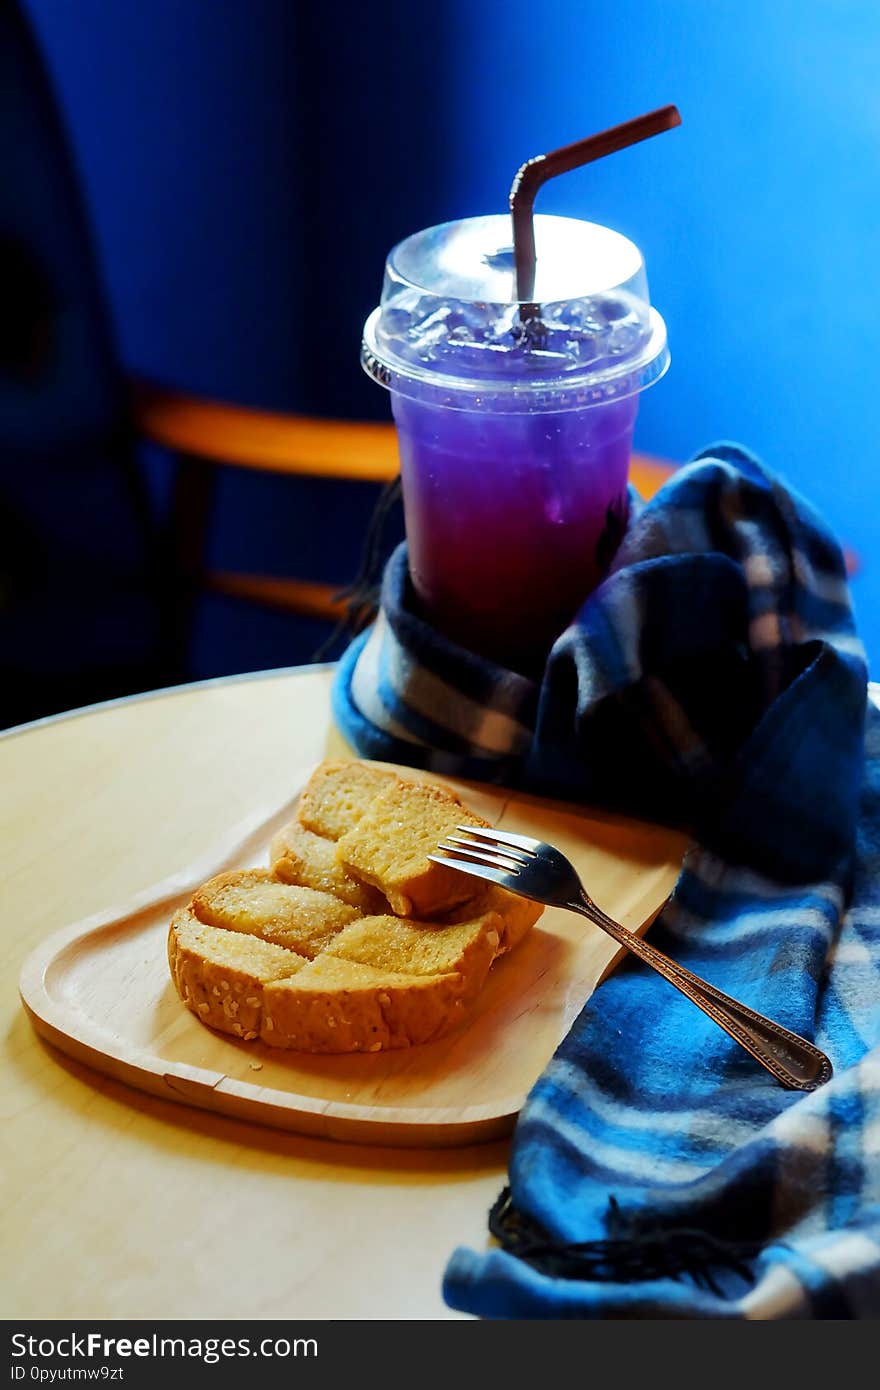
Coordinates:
x,y
714,680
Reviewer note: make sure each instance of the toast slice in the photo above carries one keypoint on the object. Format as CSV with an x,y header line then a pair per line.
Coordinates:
x,y
337,795
390,844
220,975
257,903
335,1005
301,857
423,948
306,955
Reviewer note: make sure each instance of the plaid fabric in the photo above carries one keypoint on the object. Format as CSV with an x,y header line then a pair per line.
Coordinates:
x,y
716,680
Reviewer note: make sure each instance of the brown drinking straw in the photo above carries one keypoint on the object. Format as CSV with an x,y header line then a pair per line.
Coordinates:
x,y
535,173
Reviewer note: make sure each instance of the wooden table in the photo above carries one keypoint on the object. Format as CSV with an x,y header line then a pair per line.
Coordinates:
x,y
120,1205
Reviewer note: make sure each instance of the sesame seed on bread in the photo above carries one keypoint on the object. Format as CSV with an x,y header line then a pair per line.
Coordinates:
x,y
220,974
336,1005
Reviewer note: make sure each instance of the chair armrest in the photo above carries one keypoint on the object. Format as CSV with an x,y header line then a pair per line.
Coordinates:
x,y
648,475
274,443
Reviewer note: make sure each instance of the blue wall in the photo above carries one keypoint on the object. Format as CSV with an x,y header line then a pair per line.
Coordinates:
x,y
759,218
226,144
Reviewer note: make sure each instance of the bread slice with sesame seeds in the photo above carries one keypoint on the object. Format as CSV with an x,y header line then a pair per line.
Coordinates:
x,y
390,845
220,974
336,1005
379,982
423,948
232,982
257,903
337,795
300,856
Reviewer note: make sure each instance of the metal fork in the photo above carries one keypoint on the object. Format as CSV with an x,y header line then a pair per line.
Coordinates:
x,y
538,870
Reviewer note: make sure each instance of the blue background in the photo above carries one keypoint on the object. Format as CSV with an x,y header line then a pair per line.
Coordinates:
x,y
247,163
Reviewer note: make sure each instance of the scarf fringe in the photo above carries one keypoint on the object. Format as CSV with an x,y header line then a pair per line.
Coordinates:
x,y
631,1254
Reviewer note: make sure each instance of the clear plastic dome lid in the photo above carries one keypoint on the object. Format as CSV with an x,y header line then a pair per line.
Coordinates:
x,y
449,326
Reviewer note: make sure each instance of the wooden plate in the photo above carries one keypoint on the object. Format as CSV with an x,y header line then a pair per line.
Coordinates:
x,y
100,990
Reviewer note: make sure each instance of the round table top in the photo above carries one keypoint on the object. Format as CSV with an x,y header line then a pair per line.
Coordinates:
x,y
122,1205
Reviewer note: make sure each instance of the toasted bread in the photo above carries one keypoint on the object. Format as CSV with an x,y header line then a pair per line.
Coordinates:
x,y
220,974
255,902
300,856
336,1005
305,955
338,794
390,845
518,915
423,948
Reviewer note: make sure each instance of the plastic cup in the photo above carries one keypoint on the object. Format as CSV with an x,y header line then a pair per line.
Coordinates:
x,y
514,421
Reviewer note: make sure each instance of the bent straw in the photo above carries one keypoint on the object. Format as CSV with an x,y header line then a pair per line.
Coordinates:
x,y
535,173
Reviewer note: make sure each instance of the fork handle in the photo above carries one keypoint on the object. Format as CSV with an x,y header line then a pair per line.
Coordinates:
x,y
795,1062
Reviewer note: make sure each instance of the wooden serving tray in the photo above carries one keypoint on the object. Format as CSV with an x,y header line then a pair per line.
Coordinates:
x,y
101,991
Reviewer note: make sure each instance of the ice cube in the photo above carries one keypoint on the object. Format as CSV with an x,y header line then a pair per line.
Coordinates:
x,y
624,337
502,327
432,322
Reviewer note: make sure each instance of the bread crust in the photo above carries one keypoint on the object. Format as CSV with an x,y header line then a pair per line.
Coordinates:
x,y
341,1006
220,976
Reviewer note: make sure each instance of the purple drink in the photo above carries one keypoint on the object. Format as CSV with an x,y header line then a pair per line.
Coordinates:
x,y
511,520
515,427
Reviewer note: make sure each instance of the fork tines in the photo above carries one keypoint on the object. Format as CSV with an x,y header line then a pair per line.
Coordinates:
x,y
458,852
485,853
479,868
